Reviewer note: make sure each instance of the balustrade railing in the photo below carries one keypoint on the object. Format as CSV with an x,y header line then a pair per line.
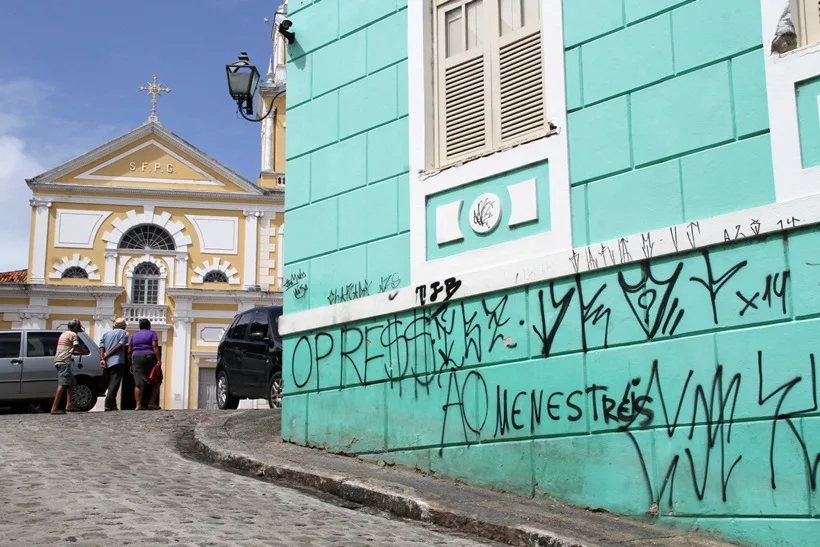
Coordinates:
x,y
156,314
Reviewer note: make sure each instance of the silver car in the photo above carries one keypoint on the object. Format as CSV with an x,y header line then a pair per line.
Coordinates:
x,y
27,373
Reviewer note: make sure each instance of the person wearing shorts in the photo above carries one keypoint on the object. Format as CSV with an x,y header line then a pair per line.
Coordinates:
x,y
68,345
143,350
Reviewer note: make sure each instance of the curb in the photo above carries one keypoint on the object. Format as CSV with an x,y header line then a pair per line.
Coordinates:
x,y
208,436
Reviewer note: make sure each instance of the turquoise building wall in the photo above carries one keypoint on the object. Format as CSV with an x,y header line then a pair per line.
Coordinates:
x,y
679,389
347,149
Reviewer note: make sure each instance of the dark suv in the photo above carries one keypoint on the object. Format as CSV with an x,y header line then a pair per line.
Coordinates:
x,y
249,359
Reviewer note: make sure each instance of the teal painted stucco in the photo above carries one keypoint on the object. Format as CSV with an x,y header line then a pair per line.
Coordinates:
x,y
595,389
347,152
808,118
503,233
680,390
663,83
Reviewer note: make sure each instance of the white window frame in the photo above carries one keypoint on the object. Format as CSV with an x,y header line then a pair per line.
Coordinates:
x,y
146,281
129,277
783,72
489,51
800,25
424,181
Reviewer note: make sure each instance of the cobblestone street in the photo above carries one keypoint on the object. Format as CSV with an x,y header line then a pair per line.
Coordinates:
x,y
120,479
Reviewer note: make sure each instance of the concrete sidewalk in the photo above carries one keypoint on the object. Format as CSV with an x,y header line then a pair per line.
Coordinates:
x,y
249,441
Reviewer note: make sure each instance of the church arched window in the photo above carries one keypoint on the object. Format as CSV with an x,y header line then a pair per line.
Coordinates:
x,y
75,272
147,237
215,276
145,284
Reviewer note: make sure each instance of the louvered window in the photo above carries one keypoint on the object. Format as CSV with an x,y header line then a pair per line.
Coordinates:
x,y
490,80
808,21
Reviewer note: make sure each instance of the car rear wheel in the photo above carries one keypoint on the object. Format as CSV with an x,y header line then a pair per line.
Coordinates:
x,y
275,391
224,399
84,395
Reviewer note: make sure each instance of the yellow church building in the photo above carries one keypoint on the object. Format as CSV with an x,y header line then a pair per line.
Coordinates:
x,y
148,226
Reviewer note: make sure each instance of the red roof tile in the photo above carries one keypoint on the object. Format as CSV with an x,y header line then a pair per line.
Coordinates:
x,y
16,276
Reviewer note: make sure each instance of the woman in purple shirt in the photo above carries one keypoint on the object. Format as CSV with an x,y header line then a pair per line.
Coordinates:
x,y
144,352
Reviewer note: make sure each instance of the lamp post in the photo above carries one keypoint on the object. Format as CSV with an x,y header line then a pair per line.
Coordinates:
x,y
243,79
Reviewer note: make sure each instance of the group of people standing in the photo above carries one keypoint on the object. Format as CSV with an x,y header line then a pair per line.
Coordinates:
x,y
139,352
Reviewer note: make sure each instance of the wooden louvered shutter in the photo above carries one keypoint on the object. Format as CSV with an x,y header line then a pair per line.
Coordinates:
x,y
521,88
463,85
519,73
808,21
489,76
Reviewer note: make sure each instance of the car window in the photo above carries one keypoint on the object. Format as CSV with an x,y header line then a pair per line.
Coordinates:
x,y
260,323
85,342
41,344
10,344
240,329
229,331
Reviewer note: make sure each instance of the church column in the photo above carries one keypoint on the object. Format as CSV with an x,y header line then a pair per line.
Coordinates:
x,y
181,356
181,272
251,240
40,239
103,316
110,269
267,145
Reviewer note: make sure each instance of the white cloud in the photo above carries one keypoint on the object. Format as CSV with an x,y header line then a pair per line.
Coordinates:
x,y
32,140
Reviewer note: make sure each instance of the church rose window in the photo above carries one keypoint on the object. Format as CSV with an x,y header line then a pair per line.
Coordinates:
x,y
147,238
215,276
75,272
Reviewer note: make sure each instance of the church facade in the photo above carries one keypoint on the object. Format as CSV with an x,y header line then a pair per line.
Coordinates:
x,y
148,226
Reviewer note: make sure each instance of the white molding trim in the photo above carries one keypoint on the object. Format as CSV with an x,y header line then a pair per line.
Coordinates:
x,y
280,257
178,267
136,261
783,72
60,324
218,265
150,128
209,227
209,330
214,314
130,263
250,248
59,197
78,292
205,356
267,248
208,180
85,263
673,240
239,297
181,360
123,260
88,237
133,219
553,148
71,310
39,241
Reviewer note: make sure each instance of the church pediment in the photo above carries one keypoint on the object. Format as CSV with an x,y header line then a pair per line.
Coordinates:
x,y
150,161
150,157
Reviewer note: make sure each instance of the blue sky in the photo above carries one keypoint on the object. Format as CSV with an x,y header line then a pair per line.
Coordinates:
x,y
69,73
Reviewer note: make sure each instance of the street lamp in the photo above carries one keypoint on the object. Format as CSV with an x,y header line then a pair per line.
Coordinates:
x,y
243,77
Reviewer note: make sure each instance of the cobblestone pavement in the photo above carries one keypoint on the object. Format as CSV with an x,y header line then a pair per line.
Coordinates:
x,y
120,479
